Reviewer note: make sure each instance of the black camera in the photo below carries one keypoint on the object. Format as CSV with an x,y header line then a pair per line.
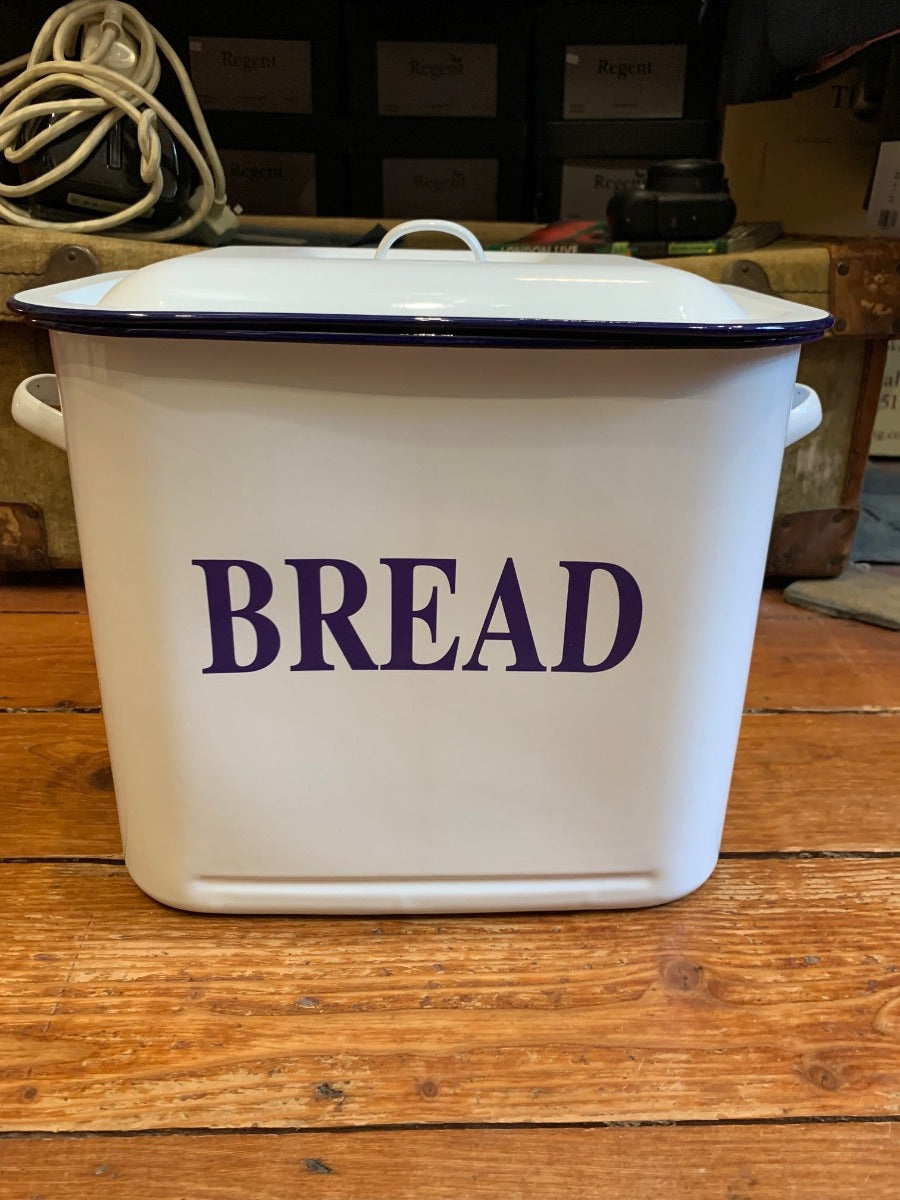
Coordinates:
x,y
684,200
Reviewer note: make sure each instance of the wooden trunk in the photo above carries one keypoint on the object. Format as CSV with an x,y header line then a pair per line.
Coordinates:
x,y
821,478
37,520
818,500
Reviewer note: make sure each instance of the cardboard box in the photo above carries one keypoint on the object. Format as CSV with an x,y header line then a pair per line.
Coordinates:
x,y
806,162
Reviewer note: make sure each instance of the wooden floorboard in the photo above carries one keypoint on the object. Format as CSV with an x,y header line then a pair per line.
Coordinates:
x,y
803,662
740,1044
774,991
802,782
47,661
808,661
809,1162
816,782
56,788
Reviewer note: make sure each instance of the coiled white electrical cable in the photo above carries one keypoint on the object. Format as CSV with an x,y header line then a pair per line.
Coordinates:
x,y
116,74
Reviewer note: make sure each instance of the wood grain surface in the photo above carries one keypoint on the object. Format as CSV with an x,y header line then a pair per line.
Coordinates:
x,y
742,1044
804,662
774,991
825,782
809,662
736,1162
47,661
802,782
57,787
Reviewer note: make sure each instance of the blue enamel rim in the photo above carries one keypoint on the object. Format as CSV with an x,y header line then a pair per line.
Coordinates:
x,y
419,331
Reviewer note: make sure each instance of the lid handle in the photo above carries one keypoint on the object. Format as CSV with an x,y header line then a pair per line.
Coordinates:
x,y
428,226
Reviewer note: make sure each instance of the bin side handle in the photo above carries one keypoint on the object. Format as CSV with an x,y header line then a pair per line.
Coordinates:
x,y
806,414
35,406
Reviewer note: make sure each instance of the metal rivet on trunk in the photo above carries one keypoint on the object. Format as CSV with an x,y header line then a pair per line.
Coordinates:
x,y
843,268
840,325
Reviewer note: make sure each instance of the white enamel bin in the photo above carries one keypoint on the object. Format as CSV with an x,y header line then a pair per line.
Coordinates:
x,y
424,581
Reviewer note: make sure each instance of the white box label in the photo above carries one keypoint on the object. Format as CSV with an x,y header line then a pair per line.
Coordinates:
x,y
437,79
252,74
440,187
886,435
269,182
588,185
624,81
884,202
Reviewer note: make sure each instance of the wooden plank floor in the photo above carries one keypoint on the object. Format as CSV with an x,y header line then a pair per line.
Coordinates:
x,y
742,1043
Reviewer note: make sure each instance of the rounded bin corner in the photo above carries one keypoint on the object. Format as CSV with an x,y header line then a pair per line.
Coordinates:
x,y
679,884
183,895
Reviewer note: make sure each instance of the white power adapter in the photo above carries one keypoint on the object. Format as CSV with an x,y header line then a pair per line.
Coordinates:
x,y
121,56
85,70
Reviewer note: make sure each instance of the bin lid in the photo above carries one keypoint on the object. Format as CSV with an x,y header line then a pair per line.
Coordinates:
x,y
430,297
